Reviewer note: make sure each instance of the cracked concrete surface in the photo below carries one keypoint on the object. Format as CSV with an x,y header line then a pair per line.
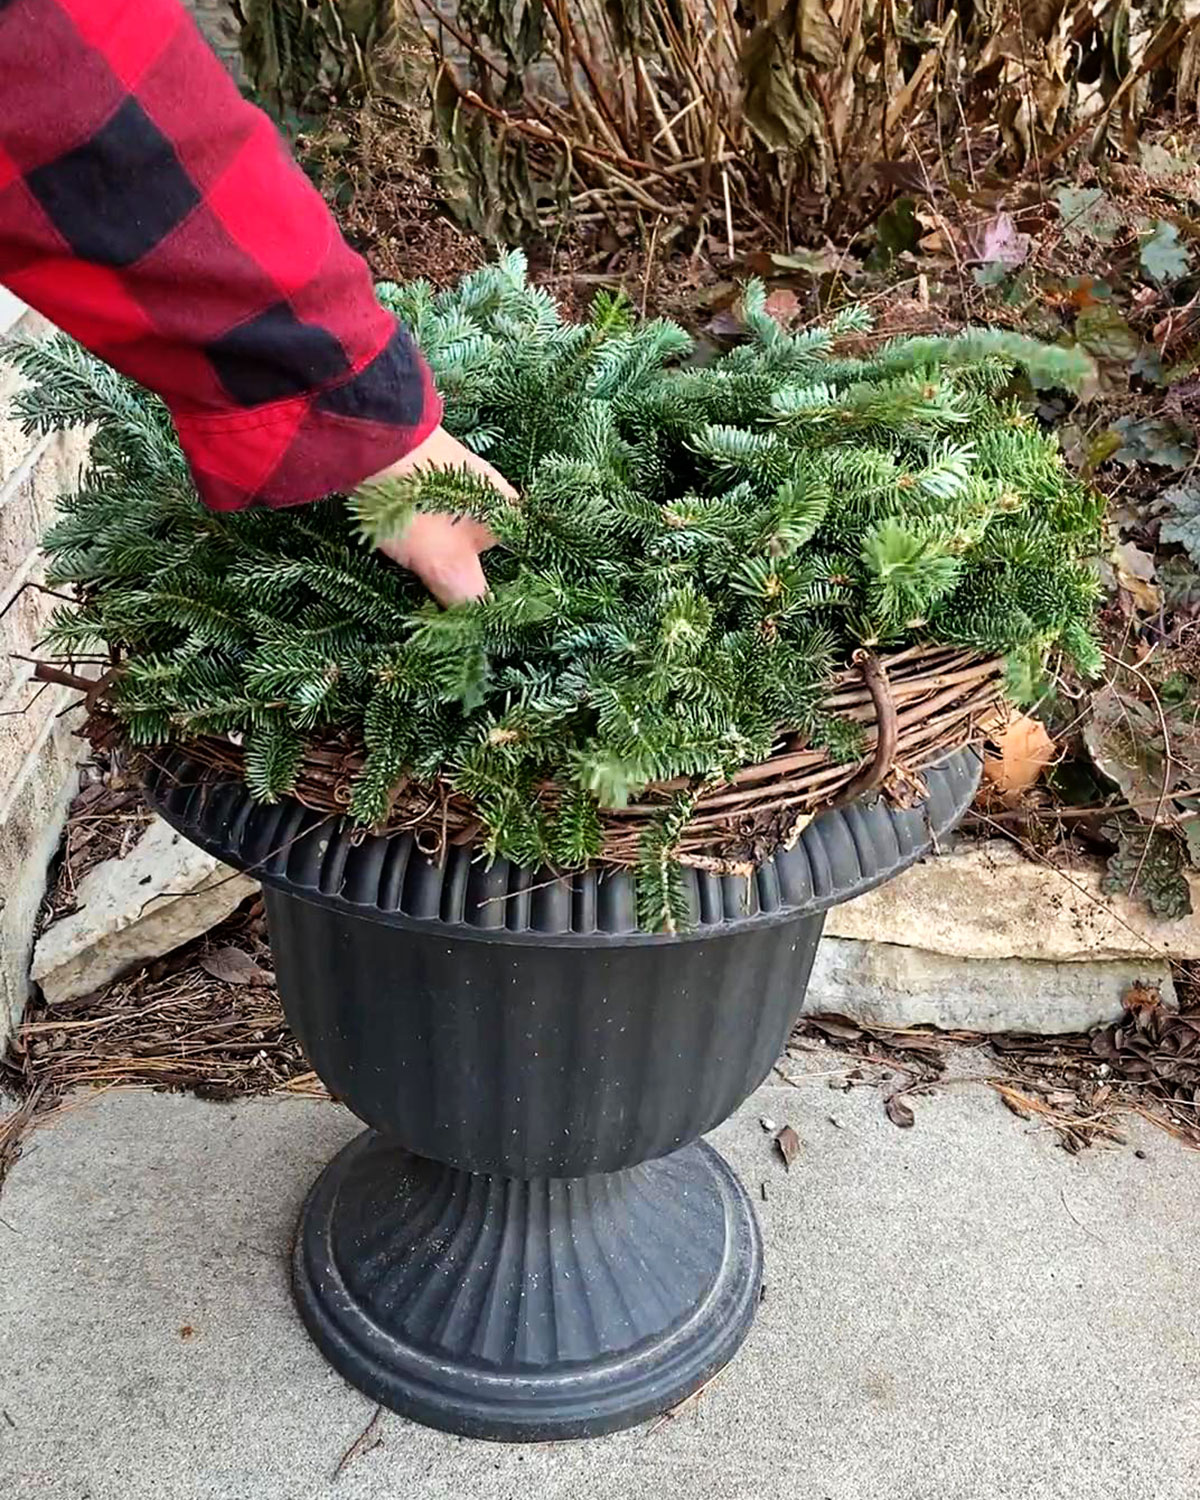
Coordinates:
x,y
959,1311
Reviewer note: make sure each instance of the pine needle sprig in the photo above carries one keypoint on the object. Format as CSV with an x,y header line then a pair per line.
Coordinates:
x,y
694,552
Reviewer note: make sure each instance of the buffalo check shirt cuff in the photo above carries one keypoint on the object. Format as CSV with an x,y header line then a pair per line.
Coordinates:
x,y
151,212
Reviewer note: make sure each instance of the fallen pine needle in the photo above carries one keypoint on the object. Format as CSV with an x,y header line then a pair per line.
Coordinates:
x,y
1062,1192
688,1401
367,1440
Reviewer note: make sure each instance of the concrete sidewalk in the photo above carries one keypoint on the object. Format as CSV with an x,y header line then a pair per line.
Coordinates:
x,y
959,1311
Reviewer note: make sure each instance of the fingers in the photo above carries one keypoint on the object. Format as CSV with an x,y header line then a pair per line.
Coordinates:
x,y
454,581
444,554
477,534
441,451
443,550
434,532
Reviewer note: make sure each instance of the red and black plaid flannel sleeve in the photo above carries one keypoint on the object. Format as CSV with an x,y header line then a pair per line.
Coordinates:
x,y
151,212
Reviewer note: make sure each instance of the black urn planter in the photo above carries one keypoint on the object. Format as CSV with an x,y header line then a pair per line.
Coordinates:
x,y
531,1241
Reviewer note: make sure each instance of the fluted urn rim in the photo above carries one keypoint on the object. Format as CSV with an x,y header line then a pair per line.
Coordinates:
x,y
842,853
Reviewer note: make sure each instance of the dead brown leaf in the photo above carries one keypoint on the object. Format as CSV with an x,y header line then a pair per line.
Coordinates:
x,y
898,1112
784,306
726,324
904,177
788,1143
837,1028
232,966
1026,749
1013,1101
1135,570
996,241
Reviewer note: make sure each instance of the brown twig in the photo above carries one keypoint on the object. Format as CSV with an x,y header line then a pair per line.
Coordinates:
x,y
44,671
1167,763
539,130
839,165
461,38
562,20
1094,810
886,730
42,589
367,1439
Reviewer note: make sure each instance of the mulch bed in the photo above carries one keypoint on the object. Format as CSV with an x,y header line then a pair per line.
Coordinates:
x,y
204,1020
207,1020
104,821
1078,1086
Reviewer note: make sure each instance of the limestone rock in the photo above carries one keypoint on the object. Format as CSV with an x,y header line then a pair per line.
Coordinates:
x,y
161,895
885,984
989,901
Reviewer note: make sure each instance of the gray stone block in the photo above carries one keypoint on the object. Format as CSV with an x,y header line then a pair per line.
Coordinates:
x,y
31,821
885,984
164,893
988,901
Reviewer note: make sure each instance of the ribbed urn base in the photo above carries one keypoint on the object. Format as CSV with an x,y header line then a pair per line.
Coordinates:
x,y
526,1310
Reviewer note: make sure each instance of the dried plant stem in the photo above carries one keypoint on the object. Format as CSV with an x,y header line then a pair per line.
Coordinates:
x,y
924,703
1154,55
665,128
675,119
887,733
561,17
539,130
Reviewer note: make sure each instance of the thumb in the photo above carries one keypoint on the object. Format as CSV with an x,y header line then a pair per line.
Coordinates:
x,y
453,579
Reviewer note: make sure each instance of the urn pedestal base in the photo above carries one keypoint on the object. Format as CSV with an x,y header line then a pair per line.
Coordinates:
x,y
526,1310
519,1023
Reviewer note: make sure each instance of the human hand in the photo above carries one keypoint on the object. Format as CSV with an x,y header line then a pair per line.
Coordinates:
x,y
444,550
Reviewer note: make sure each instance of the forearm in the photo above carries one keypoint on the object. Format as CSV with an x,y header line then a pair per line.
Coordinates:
x,y
153,214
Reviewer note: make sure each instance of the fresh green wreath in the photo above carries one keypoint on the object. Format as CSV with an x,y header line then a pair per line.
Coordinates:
x,y
695,550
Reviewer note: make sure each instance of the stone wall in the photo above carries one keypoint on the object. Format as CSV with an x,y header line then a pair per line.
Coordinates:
x,y
38,753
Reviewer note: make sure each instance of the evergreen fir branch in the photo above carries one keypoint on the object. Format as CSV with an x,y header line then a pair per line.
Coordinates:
x,y
853,319
695,552
1082,649
516,828
813,403
735,452
909,572
661,890
384,509
273,754
1047,365
576,836
797,512
948,472
844,739
611,313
